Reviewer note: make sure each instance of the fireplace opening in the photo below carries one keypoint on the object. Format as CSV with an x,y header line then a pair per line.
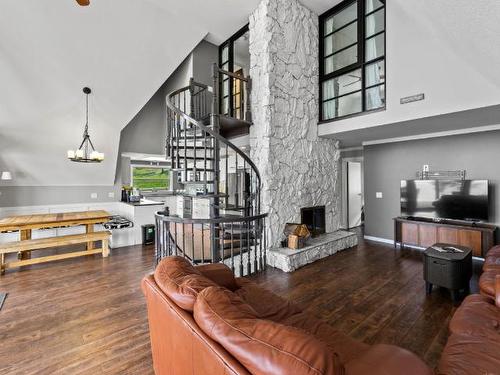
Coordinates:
x,y
314,218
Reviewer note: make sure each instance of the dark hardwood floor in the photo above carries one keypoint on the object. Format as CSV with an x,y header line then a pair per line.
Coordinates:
x,y
375,294
88,315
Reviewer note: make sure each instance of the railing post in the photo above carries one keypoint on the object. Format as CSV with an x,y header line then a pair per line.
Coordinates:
x,y
214,121
191,98
168,135
248,102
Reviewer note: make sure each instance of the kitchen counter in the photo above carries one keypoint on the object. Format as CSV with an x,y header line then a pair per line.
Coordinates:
x,y
145,202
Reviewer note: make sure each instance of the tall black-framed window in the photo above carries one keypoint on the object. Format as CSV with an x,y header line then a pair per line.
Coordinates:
x,y
234,56
352,59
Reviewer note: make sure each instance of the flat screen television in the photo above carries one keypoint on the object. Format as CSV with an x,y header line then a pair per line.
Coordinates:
x,y
445,199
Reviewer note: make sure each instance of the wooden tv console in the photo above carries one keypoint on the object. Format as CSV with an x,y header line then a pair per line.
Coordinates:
x,y
426,232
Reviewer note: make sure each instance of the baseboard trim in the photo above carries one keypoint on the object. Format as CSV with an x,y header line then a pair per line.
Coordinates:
x,y
390,242
378,239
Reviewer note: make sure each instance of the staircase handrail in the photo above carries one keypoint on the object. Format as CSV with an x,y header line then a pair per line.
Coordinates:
x,y
213,133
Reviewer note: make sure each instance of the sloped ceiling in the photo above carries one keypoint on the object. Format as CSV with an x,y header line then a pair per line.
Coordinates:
x,y
123,49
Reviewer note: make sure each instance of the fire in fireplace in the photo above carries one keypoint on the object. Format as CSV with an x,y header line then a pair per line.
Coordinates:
x,y
314,218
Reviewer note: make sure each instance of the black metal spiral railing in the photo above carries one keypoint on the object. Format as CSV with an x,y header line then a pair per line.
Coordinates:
x,y
240,242
211,167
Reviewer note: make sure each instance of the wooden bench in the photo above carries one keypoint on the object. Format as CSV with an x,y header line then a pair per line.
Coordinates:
x,y
45,243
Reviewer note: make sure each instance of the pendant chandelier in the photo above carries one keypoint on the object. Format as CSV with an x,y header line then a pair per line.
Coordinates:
x,y
86,153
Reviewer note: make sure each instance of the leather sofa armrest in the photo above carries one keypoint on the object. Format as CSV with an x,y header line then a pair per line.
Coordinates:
x,y
497,290
220,274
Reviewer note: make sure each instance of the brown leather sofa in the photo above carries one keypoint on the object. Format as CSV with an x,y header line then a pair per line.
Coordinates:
x,y
204,321
474,343
489,282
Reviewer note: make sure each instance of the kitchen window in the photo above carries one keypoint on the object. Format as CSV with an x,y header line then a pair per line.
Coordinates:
x,y
352,59
148,178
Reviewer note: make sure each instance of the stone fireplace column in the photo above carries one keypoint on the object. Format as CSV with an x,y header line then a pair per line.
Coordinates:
x,y
298,169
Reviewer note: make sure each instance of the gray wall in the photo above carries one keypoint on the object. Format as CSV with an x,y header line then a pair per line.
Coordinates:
x,y
146,132
204,55
387,164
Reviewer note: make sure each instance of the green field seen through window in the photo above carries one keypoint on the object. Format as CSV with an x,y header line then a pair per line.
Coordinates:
x,y
150,178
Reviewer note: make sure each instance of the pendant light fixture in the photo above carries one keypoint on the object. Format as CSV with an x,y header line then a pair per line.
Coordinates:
x,y
86,153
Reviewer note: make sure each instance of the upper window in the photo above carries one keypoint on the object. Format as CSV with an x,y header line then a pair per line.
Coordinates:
x,y
352,59
234,57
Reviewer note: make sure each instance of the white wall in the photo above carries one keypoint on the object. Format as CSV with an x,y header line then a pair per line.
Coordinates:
x,y
445,49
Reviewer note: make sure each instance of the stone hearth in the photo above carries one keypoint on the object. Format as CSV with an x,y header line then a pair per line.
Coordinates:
x,y
289,260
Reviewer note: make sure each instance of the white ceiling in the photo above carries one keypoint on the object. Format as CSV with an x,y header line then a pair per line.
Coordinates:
x,y
225,17
123,49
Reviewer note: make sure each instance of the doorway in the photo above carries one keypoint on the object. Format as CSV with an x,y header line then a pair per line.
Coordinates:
x,y
352,192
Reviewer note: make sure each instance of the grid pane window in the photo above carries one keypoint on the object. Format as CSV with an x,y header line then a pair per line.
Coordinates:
x,y
339,20
343,106
341,39
342,59
371,5
225,93
375,23
225,53
375,47
375,97
352,68
375,73
342,85
234,57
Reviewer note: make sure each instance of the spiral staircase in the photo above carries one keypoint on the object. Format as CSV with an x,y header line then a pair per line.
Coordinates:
x,y
218,218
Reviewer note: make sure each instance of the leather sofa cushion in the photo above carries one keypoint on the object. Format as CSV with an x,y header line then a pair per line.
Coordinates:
x,y
465,354
268,305
384,359
487,283
477,316
180,281
492,262
220,274
346,348
262,346
494,251
282,311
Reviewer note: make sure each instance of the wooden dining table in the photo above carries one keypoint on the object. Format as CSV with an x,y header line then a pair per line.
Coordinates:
x,y
25,224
